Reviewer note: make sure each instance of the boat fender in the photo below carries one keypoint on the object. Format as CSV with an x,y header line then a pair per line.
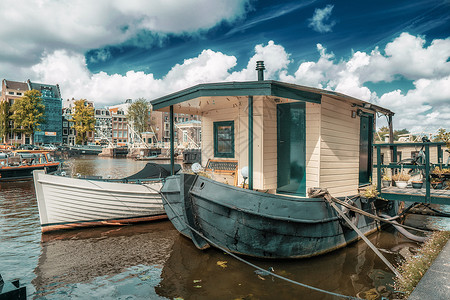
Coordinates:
x,y
353,216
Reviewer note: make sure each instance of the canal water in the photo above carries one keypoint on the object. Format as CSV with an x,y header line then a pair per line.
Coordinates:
x,y
153,261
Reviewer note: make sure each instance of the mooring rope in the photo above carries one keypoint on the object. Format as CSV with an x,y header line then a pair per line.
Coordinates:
x,y
320,193
249,263
441,213
323,193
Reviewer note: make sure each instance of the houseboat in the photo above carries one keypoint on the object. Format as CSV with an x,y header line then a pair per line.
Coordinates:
x,y
265,144
20,164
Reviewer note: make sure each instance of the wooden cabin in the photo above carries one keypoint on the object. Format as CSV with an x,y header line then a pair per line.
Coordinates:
x,y
291,137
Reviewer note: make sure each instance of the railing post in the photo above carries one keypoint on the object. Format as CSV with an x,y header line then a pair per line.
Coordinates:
x,y
250,142
427,173
172,142
439,154
378,169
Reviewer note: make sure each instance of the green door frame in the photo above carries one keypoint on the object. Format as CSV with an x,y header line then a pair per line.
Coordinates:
x,y
291,148
365,148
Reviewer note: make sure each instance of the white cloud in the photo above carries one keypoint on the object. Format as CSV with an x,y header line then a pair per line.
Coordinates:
x,y
79,25
407,56
69,70
322,15
424,107
275,58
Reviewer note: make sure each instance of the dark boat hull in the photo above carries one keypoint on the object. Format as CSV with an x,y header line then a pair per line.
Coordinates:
x,y
25,172
257,224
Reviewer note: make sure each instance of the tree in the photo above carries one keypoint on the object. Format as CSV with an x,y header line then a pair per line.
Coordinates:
x,y
83,120
139,115
4,120
397,133
28,112
442,136
381,133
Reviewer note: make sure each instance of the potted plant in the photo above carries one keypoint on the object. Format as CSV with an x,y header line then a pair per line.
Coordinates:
x,y
386,181
436,183
401,179
417,184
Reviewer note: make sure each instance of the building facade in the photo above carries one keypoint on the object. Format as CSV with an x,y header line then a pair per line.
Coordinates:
x,y
160,126
119,123
51,129
103,126
12,90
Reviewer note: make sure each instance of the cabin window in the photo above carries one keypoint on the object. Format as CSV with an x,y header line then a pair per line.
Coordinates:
x,y
224,139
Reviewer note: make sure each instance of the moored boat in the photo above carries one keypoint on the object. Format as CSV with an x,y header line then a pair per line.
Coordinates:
x,y
21,164
66,203
265,144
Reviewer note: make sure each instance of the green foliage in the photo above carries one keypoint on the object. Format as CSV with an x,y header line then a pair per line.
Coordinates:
x,y
381,133
397,133
139,115
442,136
28,112
413,268
83,119
4,119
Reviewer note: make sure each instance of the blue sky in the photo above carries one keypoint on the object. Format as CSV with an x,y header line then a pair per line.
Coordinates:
x,y
392,53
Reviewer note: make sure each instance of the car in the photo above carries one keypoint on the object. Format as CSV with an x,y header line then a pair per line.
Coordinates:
x,y
28,147
49,147
4,146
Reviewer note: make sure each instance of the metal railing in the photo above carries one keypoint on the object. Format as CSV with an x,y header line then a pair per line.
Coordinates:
x,y
426,165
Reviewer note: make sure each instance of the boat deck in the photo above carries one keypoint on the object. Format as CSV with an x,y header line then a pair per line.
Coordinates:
x,y
415,195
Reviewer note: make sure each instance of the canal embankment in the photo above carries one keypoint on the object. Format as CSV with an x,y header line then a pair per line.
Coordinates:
x,y
427,273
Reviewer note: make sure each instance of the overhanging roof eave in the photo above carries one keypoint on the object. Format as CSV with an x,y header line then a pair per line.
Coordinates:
x,y
249,88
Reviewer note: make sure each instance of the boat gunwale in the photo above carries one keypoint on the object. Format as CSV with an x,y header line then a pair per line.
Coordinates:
x,y
43,181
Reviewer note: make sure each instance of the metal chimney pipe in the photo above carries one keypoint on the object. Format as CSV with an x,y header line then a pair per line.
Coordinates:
x,y
260,68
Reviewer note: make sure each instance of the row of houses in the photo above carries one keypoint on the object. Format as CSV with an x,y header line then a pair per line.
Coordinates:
x,y
111,123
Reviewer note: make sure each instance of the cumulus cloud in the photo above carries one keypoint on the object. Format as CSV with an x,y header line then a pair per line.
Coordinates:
x,y
79,25
275,58
424,107
70,71
320,16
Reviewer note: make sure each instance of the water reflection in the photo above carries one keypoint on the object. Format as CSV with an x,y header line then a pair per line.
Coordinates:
x,y
107,255
151,261
189,273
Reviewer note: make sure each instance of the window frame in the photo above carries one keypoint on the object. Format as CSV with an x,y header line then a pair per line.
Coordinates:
x,y
216,125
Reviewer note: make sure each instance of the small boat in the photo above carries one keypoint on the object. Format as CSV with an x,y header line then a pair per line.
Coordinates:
x,y
286,140
66,203
20,164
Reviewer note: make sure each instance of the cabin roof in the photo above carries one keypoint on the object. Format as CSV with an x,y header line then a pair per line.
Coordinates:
x,y
259,88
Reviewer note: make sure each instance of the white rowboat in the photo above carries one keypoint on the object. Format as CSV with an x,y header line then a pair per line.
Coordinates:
x,y
65,202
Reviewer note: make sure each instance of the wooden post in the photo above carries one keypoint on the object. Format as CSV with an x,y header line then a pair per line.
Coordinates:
x,y
391,139
172,142
250,142
378,169
439,155
427,173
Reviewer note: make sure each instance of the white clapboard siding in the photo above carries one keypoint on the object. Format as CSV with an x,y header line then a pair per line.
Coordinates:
x,y
339,153
238,114
313,131
270,144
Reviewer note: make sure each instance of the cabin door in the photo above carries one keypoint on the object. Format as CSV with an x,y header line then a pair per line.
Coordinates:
x,y
365,149
291,156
